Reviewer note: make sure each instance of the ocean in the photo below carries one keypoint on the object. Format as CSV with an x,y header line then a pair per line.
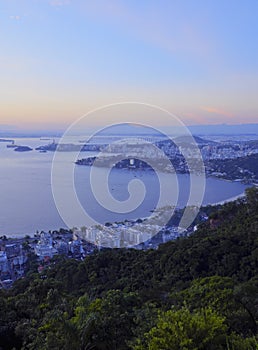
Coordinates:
x,y
26,197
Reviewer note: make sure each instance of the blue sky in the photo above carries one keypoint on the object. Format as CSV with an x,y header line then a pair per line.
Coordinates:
x,y
61,58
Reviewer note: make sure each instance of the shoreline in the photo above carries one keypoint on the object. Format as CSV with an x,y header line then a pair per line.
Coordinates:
x,y
232,199
32,235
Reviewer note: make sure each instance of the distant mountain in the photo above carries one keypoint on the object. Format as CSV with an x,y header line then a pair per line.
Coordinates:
x,y
218,129
129,129
224,129
15,132
124,129
199,140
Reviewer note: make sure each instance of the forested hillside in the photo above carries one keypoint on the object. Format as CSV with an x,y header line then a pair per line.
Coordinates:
x,y
199,292
240,168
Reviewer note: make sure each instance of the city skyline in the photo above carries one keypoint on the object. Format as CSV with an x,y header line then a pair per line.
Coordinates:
x,y
60,59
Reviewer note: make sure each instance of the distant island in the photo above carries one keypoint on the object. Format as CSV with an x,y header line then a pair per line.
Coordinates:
x,y
6,140
22,149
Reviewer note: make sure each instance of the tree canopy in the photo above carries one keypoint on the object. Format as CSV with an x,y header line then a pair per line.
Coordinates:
x,y
198,292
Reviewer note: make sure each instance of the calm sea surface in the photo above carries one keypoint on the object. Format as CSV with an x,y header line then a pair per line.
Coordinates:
x,y
27,203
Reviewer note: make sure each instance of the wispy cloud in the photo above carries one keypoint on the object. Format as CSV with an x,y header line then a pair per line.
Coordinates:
x,y
16,17
218,111
59,3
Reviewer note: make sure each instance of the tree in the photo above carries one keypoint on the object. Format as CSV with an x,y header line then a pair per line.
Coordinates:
x,y
252,195
235,303
199,330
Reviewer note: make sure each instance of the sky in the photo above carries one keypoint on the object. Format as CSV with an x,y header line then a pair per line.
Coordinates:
x,y
196,58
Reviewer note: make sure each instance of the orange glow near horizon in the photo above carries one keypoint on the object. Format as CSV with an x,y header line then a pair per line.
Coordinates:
x,y
193,66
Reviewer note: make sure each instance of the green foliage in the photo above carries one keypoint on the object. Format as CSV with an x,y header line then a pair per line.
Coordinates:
x,y
106,323
221,295
181,329
199,330
198,292
243,167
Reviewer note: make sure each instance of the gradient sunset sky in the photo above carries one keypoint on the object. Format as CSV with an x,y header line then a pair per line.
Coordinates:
x,y
61,58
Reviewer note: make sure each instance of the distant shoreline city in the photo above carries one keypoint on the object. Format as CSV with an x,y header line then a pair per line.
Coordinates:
x,y
227,158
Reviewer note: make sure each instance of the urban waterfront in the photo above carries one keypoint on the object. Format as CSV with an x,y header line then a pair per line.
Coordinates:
x,y
27,203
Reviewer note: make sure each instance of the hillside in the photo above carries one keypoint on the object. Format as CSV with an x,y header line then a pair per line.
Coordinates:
x,y
129,299
240,168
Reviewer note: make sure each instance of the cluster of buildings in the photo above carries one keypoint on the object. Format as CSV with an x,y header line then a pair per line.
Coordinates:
x,y
67,244
141,154
210,150
140,234
153,147
13,258
137,234
15,252
228,150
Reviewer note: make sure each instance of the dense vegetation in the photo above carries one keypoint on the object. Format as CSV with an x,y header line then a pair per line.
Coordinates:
x,y
199,292
239,168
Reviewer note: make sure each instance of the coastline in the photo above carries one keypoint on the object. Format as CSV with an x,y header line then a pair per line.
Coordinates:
x,y
232,199
32,235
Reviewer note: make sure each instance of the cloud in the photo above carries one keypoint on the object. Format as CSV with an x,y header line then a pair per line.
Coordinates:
x,y
216,111
16,17
59,3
